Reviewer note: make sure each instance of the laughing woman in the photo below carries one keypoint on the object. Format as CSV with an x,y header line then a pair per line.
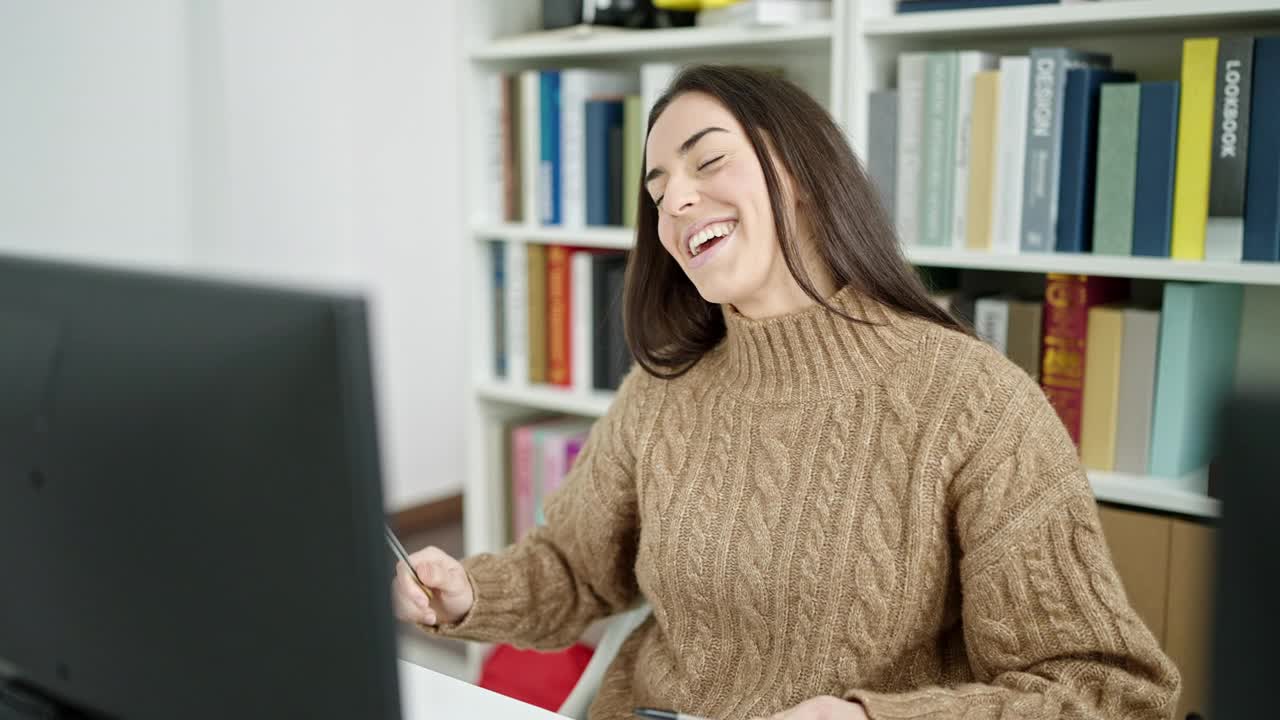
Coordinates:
x,y
837,502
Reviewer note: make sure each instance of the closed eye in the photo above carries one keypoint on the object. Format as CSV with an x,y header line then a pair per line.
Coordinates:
x,y
710,162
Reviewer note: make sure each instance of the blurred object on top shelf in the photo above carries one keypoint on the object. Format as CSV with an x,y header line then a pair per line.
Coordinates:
x,y
763,12
638,14
909,6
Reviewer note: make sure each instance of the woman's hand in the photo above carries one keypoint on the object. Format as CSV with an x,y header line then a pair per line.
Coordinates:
x,y
451,592
824,707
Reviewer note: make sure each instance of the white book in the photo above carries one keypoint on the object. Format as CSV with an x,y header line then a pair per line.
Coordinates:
x,y
765,12
911,67
970,63
1011,155
489,209
991,322
576,87
581,321
531,147
654,80
517,315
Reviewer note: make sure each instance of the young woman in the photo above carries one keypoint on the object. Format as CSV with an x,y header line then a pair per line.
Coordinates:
x,y
837,501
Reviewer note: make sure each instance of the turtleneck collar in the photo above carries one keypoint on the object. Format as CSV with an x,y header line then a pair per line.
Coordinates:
x,y
812,352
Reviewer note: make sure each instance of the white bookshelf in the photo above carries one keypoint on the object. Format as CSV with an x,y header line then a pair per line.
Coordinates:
x,y
840,61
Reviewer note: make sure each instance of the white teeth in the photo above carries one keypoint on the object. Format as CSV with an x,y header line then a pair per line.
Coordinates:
x,y
714,230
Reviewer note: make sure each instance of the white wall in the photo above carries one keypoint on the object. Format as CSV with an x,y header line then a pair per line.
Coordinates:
x,y
313,141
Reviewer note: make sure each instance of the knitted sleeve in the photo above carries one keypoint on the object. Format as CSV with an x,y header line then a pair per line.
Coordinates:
x,y
543,591
1048,629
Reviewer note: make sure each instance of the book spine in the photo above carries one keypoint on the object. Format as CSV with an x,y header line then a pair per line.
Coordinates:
x,y
1011,146
549,131
1068,299
882,150
1224,231
1101,396
537,311
982,160
511,118
531,146
1047,83
559,312
633,127
517,313
991,321
597,186
939,149
497,263
614,162
1025,337
551,451
1074,229
1157,166
968,65
601,317
911,75
1195,148
1113,204
619,353
573,147
521,482
583,306
1137,390
494,133
1262,204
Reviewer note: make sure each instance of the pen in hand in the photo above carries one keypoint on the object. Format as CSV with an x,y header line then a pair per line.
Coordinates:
x,y
655,714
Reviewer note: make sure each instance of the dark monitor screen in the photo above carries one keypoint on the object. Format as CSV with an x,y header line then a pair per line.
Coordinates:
x,y
190,498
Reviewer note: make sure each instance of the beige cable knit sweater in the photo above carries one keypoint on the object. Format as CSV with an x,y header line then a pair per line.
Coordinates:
x,y
890,514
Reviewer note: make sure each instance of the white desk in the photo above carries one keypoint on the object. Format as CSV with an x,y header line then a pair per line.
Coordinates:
x,y
428,695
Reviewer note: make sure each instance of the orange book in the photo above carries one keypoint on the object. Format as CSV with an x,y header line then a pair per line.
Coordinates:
x,y
559,316
1067,300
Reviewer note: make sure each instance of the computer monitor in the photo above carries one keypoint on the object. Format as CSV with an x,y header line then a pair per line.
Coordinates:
x,y
190,502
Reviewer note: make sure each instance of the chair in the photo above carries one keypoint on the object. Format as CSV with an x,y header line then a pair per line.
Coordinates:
x,y
620,627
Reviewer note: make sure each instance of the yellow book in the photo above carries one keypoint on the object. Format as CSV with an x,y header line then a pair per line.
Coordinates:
x,y
1195,148
982,158
1101,387
536,284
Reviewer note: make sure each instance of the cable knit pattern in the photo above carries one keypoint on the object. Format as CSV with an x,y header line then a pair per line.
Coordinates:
x,y
886,511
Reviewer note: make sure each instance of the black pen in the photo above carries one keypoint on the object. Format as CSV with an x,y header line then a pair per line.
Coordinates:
x,y
654,714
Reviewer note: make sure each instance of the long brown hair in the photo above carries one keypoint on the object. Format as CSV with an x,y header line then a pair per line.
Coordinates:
x,y
669,326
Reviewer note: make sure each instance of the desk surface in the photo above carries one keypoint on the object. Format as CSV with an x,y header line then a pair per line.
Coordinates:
x,y
427,695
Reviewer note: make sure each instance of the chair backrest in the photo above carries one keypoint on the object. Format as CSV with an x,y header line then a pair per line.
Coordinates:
x,y
620,627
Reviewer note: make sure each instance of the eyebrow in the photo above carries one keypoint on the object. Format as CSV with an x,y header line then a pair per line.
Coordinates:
x,y
683,150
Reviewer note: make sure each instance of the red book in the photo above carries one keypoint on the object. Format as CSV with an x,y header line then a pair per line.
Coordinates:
x,y
559,315
1067,299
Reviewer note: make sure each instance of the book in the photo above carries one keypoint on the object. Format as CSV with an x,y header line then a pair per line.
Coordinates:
x,y
1068,299
612,357
1157,167
763,13
1137,390
938,149
604,162
1024,336
1011,151
1079,155
516,313
577,87
582,308
1117,168
531,180
550,443
1042,169
968,64
982,159
492,167
549,172
512,210
912,6
1195,148
991,322
906,206
497,264
1100,400
559,315
882,148
1224,230
536,310
1262,190
1199,336
633,132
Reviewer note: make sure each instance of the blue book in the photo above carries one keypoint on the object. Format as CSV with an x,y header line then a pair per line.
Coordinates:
x,y
498,260
1199,333
910,6
1262,189
549,165
604,169
1080,103
1157,160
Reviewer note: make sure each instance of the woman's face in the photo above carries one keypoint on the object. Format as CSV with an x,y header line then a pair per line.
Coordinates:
x,y
714,215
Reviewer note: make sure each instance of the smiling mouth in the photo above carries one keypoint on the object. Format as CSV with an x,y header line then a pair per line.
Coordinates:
x,y
711,235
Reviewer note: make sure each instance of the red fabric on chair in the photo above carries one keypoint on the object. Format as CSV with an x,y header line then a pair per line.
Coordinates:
x,y
544,679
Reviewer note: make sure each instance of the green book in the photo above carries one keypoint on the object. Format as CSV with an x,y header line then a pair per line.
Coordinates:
x,y
1117,169
632,156
939,148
